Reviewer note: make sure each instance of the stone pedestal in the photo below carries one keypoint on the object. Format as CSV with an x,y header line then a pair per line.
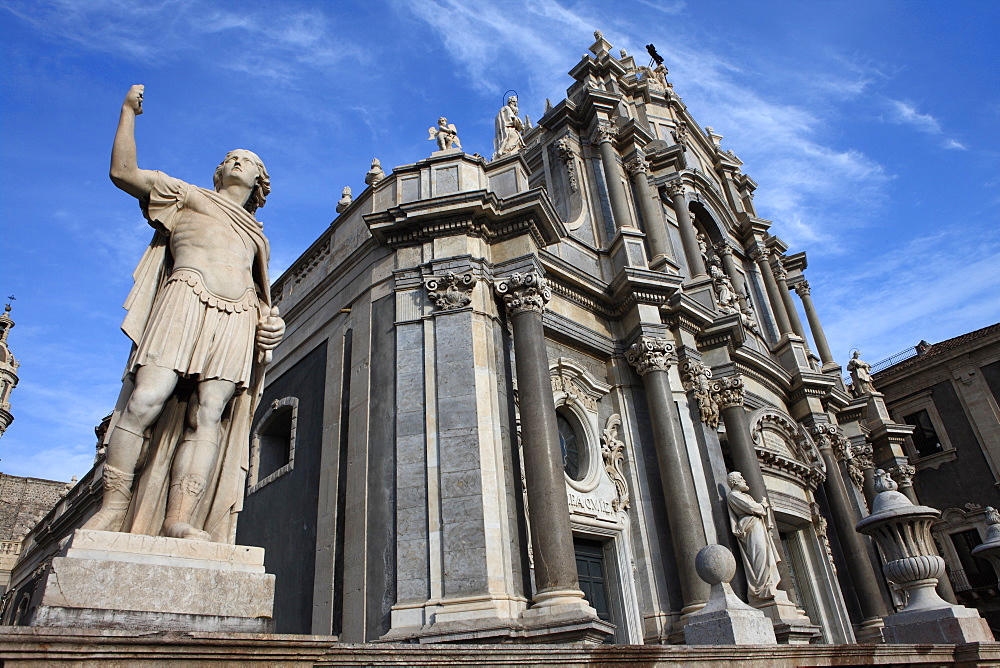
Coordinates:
x,y
110,580
725,619
791,625
953,624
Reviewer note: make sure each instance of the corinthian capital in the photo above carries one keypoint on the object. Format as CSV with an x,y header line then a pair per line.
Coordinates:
x,y
903,474
824,434
675,188
779,270
723,248
650,354
638,164
728,391
523,292
802,288
760,253
605,132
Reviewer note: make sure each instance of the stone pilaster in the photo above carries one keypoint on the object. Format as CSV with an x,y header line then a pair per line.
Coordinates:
x,y
819,336
689,236
762,257
651,358
604,137
656,230
859,566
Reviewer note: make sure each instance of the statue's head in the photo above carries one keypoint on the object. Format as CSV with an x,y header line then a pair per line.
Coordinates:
x,y
512,101
735,481
442,122
856,354
261,187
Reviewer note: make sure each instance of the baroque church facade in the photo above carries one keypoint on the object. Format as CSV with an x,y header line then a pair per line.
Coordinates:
x,y
602,288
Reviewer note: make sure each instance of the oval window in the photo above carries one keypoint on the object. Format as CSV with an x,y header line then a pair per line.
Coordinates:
x,y
574,450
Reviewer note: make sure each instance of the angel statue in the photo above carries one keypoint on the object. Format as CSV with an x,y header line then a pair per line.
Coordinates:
x,y
446,135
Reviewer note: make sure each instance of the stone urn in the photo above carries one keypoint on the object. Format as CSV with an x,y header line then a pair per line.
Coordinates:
x,y
903,533
990,549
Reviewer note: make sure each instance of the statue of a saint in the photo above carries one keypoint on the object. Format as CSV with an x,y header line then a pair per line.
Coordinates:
x,y
202,325
861,375
509,129
748,520
445,134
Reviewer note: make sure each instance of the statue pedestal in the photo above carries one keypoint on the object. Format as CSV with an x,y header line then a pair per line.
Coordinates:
x,y
952,625
791,625
112,580
726,620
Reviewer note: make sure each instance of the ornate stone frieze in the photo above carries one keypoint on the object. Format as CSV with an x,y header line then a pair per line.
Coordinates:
x,y
452,291
903,474
820,525
613,452
728,391
675,188
604,132
564,149
697,380
808,474
650,354
802,288
523,292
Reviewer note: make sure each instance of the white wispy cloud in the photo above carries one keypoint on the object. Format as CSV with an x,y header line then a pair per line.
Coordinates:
x,y
905,113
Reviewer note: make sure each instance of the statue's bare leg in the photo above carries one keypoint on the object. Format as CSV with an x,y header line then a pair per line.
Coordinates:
x,y
195,459
153,386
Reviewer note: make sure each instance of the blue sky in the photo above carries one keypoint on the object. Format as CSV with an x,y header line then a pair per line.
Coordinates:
x,y
871,128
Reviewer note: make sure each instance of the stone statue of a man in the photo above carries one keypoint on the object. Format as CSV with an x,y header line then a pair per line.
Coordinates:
x,y
748,520
509,128
202,325
861,375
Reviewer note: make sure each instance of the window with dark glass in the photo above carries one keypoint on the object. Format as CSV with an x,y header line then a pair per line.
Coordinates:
x,y
573,452
925,439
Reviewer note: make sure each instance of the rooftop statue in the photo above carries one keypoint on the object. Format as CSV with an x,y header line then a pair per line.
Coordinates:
x,y
748,521
509,130
861,375
202,325
446,135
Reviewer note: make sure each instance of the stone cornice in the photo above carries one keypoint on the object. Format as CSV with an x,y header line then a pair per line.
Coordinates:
x,y
476,213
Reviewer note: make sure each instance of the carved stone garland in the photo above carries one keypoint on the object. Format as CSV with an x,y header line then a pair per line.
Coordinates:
x,y
564,149
613,452
451,291
524,292
820,525
696,378
650,354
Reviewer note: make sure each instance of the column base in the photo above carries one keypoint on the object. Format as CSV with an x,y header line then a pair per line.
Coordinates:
x,y
954,624
869,632
111,580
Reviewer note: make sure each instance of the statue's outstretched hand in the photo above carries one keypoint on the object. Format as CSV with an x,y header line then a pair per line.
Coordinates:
x,y
270,330
134,98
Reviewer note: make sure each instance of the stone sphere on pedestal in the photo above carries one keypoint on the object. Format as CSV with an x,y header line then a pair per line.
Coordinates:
x,y
715,564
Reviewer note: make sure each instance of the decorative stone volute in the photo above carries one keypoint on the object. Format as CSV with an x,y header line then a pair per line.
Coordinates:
x,y
451,291
651,354
728,391
524,292
613,453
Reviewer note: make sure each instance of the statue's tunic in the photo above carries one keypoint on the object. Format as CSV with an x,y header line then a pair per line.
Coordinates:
x,y
760,558
175,321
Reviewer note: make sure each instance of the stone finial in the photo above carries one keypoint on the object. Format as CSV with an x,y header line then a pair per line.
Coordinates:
x,y
375,174
523,292
713,137
623,53
992,515
345,201
650,354
451,291
884,482
725,619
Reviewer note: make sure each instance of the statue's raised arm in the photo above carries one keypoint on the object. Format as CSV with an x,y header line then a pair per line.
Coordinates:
x,y
125,172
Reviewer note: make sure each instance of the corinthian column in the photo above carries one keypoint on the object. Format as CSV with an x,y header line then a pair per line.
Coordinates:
x,y
819,337
652,358
656,230
689,236
604,136
761,256
859,566
781,276
556,579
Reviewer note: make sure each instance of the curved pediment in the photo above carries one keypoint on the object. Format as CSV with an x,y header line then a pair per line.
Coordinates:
x,y
782,444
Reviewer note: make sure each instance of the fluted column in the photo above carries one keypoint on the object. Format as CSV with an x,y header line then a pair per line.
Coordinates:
x,y
728,392
859,566
656,230
819,337
762,256
556,578
604,136
652,358
689,236
781,276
